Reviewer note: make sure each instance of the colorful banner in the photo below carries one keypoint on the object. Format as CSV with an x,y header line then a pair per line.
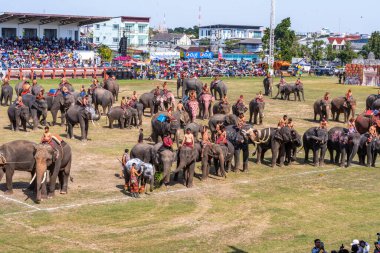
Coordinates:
x,y
199,55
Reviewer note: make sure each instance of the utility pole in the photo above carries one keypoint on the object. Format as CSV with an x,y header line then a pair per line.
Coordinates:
x,y
271,36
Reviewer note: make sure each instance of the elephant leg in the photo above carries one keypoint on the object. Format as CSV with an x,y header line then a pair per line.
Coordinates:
x,y
282,155
250,117
316,157
54,116
190,175
237,159
373,163
85,129
331,152
306,154
369,155
8,177
53,178
66,175
322,157
245,158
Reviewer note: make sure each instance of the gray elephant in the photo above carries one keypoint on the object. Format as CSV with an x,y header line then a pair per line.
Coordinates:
x,y
256,109
102,97
144,152
238,109
16,155
164,161
77,114
124,117
295,89
139,110
35,89
222,156
60,103
216,119
148,101
111,85
280,142
262,140
19,87
18,115
189,84
346,145
341,105
6,94
221,108
315,139
218,87
369,148
172,127
54,159
37,108
195,129
370,102
187,157
322,108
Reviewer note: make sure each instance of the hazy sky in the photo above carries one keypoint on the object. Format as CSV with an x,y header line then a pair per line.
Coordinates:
x,y
307,15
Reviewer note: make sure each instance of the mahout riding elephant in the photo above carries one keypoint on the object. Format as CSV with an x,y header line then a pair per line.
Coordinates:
x,y
37,109
322,108
205,109
226,120
256,108
102,97
148,101
364,122
35,89
240,140
124,117
60,103
345,144
341,105
218,88
172,127
370,148
195,129
222,156
186,159
315,139
263,142
221,108
53,158
165,100
78,114
238,109
6,95
189,84
279,141
18,115
111,85
16,155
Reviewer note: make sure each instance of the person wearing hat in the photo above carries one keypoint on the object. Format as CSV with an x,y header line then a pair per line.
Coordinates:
x,y
188,139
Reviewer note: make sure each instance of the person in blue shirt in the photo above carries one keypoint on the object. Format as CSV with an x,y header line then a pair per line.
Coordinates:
x,y
318,247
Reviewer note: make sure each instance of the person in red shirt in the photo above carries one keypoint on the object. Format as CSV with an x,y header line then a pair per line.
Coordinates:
x,y
167,142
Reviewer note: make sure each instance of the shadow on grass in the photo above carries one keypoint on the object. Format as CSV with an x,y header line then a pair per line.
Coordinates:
x,y
236,250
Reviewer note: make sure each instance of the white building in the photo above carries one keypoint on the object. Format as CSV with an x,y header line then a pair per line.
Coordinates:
x,y
169,40
225,32
31,25
136,29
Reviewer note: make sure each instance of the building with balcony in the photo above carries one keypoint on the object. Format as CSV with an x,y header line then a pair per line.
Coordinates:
x,y
226,32
136,29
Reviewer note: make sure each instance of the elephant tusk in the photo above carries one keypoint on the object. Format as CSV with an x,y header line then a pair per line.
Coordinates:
x,y
45,175
92,121
34,177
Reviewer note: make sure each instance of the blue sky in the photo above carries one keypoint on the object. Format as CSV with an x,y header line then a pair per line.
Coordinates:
x,y
307,15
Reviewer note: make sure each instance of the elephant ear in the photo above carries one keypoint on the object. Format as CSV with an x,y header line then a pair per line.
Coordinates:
x,y
55,155
61,101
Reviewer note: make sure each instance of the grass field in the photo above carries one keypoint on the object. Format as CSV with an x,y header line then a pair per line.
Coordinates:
x,y
264,210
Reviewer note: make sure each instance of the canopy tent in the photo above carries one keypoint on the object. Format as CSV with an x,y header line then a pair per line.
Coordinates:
x,y
122,58
363,71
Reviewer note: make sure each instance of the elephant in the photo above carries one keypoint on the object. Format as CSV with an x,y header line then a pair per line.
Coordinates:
x,y
376,105
322,108
159,129
56,158
341,105
315,139
205,109
164,161
124,117
370,100
195,129
267,82
263,142
165,100
256,108
363,123
218,87
188,85
148,101
19,88
60,103
6,94
280,144
144,152
240,140
102,97
368,147
16,155
78,114
37,108
187,157
238,109
287,89
344,144
226,120
222,156
146,170
192,108
111,85
35,89
18,115
221,108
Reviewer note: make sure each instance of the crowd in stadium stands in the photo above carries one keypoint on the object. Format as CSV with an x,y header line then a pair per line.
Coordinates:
x,y
355,247
39,53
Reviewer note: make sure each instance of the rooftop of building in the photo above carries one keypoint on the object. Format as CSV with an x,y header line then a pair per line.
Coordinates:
x,y
23,18
166,36
220,26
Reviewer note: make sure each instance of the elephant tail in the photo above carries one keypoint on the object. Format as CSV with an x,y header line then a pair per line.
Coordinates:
x,y
71,179
299,151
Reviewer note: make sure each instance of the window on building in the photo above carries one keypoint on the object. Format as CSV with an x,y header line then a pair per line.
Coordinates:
x,y
128,28
115,27
104,37
50,33
142,28
115,40
257,34
141,42
97,39
97,26
104,24
8,32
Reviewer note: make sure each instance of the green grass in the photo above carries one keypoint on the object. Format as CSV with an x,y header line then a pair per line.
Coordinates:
x,y
264,210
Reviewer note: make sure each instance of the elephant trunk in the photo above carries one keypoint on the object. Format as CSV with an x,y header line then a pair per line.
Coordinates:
x,y
41,174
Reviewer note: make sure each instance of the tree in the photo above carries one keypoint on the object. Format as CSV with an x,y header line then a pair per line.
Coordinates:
x,y
346,55
284,40
231,45
373,45
105,53
317,50
330,53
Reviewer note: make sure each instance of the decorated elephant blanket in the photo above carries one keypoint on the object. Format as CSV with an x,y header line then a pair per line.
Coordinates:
x,y
147,169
